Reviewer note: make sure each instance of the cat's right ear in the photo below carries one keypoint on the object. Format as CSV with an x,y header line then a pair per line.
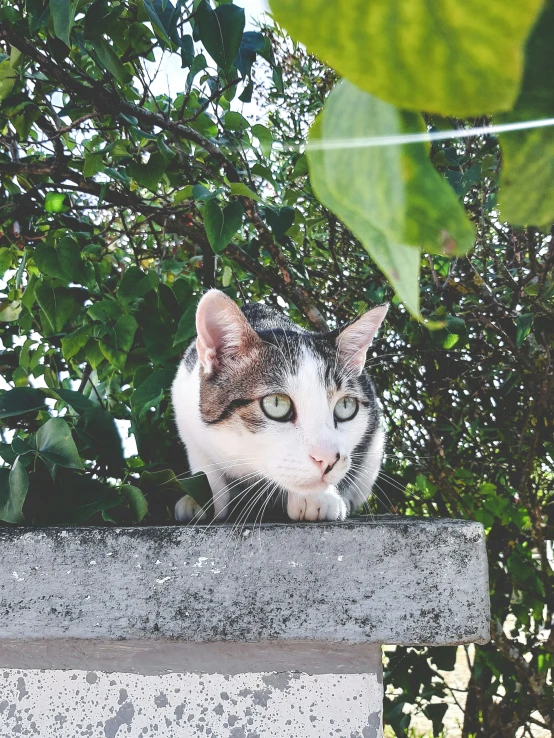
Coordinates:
x,y
222,331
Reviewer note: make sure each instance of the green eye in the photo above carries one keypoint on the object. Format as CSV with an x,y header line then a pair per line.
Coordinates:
x,y
277,407
346,408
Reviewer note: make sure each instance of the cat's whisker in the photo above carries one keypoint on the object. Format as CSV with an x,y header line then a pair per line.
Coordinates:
x,y
240,523
262,512
217,465
359,467
217,496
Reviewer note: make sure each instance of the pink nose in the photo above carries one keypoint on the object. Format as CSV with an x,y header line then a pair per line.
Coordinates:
x,y
325,460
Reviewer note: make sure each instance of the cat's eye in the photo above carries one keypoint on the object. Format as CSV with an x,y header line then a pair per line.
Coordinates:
x,y
346,408
277,407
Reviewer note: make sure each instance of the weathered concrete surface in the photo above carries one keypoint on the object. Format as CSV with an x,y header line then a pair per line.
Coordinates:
x,y
96,705
392,581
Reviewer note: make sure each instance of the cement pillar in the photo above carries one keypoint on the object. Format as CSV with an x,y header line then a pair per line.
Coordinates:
x,y
208,631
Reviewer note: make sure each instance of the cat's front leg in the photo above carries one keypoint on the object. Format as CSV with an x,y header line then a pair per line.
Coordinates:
x,y
326,505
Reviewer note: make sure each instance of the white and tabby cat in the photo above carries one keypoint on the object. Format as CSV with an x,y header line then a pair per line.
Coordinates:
x,y
264,406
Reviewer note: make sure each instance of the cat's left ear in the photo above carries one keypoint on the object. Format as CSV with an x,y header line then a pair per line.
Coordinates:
x,y
353,342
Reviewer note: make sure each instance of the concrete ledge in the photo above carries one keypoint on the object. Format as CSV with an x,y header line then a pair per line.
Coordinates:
x,y
391,580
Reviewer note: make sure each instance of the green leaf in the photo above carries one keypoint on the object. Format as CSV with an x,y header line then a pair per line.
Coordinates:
x,y
10,310
235,121
55,443
77,400
136,501
63,15
8,77
227,276
148,175
54,202
187,325
62,261
220,31
526,193
151,391
5,259
93,163
524,323
221,225
14,484
391,197
198,488
111,62
157,23
68,508
265,138
136,283
97,428
117,342
93,353
462,60
300,167
279,219
21,400
74,342
241,190
160,481
58,304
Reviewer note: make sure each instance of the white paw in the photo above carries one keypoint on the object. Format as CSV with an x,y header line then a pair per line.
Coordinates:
x,y
188,511
326,505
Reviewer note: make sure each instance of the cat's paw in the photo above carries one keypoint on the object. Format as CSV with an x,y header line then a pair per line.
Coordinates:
x,y
189,511
326,505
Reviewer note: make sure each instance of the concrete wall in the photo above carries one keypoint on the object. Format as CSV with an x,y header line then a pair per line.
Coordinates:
x,y
266,705
201,631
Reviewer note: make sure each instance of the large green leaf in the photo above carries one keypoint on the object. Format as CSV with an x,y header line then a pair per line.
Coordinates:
x,y
57,304
21,400
136,283
55,443
110,61
150,392
14,483
97,428
221,32
447,57
136,501
8,73
527,182
117,341
74,342
77,498
187,325
221,225
77,400
391,197
63,15
148,175
62,261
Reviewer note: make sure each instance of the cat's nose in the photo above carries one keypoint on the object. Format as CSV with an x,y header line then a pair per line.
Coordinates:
x,y
325,460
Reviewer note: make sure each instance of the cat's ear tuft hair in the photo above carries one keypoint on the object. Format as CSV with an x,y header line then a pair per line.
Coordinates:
x,y
353,342
222,330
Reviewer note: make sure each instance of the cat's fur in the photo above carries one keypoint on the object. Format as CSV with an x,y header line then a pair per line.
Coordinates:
x,y
323,467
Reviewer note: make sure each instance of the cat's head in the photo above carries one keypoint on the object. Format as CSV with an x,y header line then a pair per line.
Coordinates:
x,y
296,404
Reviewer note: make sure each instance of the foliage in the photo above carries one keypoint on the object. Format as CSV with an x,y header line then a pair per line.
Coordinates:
x,y
467,61
122,201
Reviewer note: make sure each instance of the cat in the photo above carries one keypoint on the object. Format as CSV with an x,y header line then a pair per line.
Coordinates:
x,y
266,406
